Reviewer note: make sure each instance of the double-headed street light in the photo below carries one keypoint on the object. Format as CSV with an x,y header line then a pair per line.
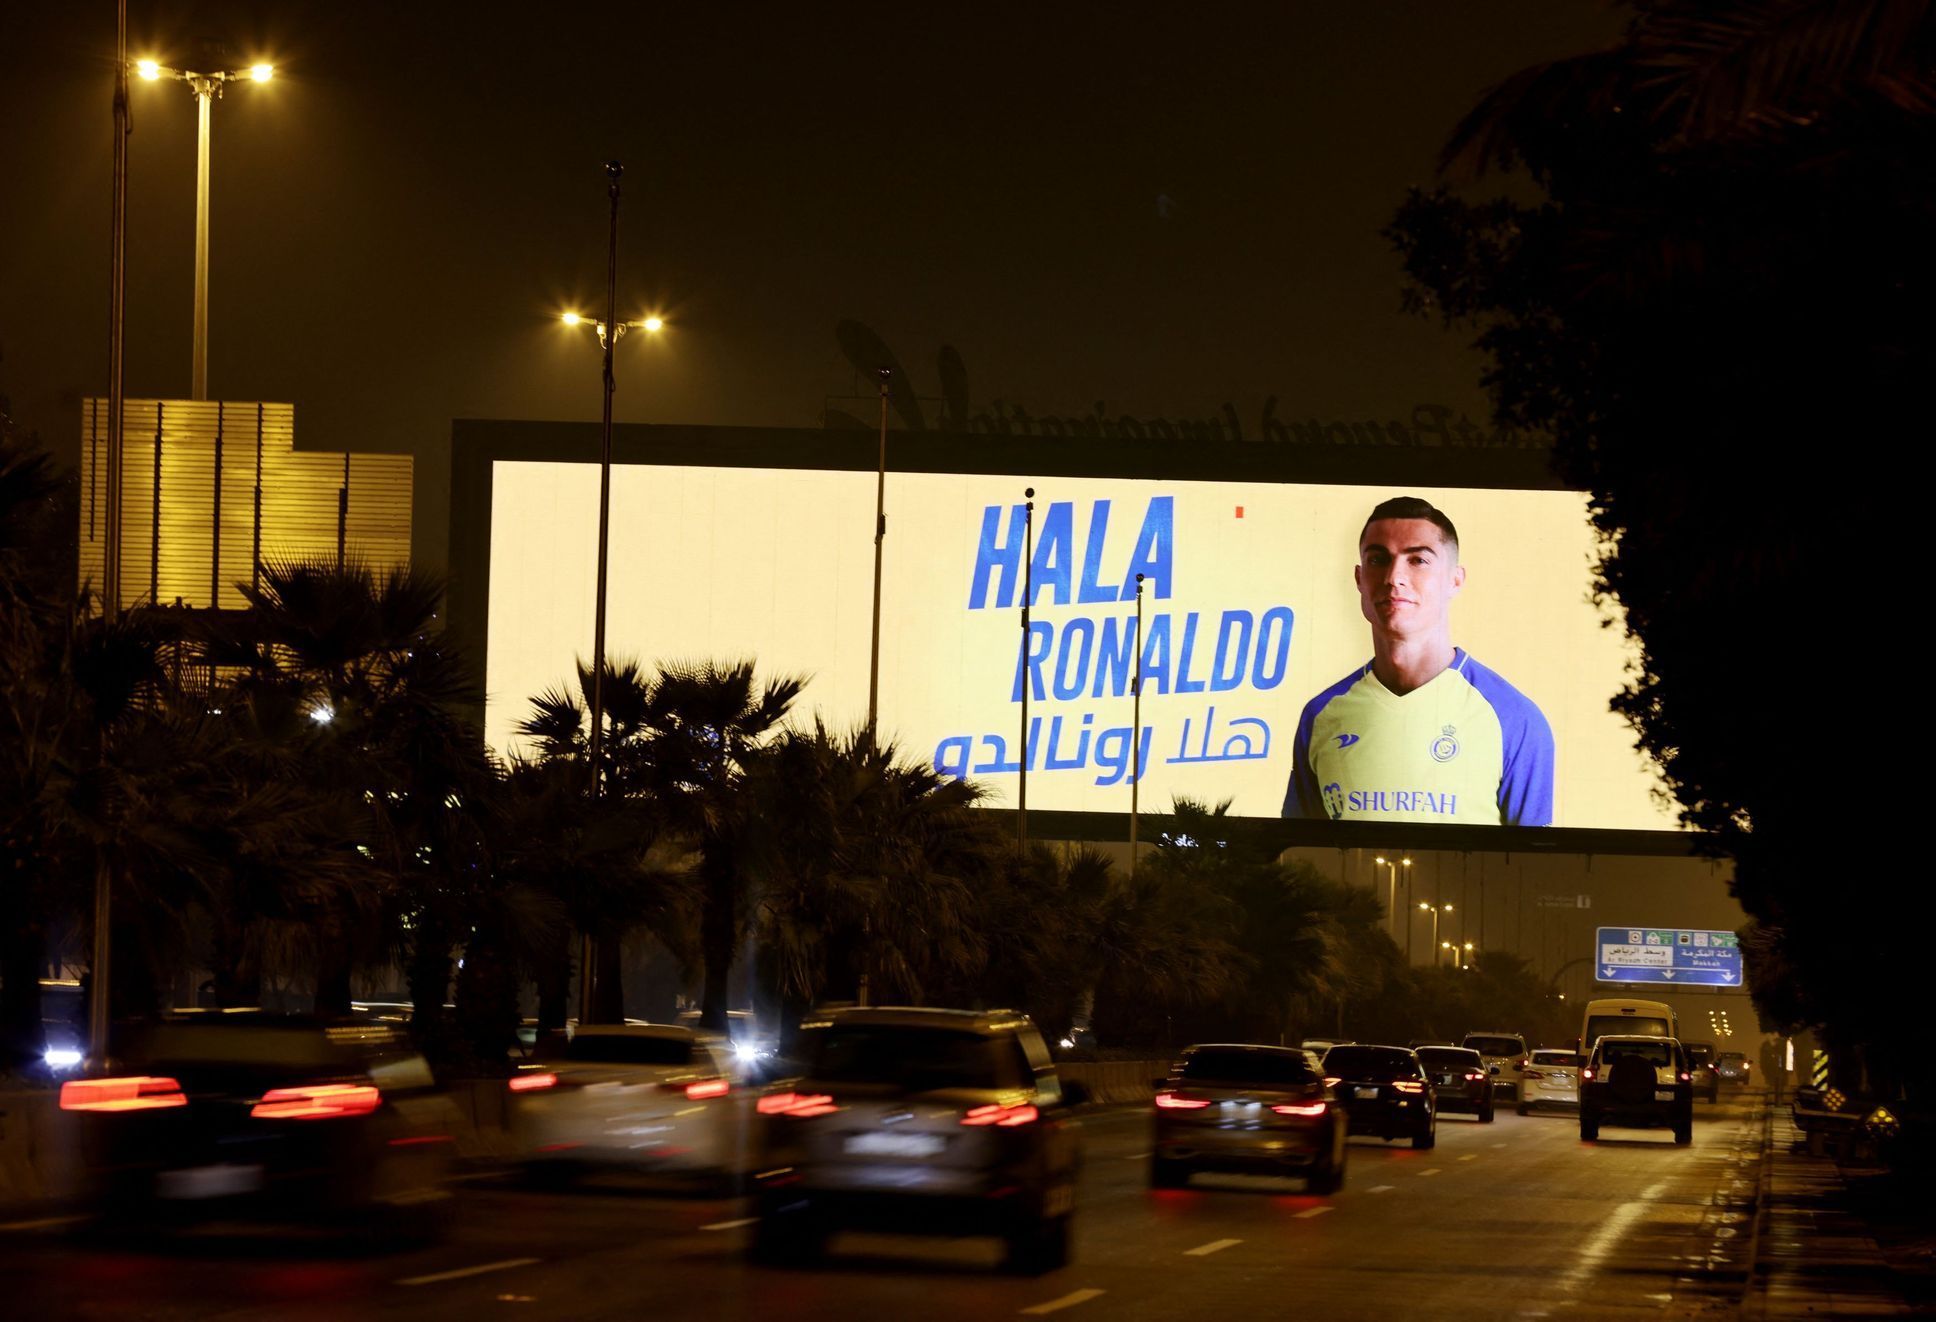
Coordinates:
x,y
1461,956
1435,910
1391,893
206,87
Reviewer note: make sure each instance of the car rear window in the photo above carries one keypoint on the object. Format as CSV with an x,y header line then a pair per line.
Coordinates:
x,y
918,1059
1699,1052
1602,1024
1496,1046
1657,1053
1555,1058
1370,1063
1449,1058
1268,1067
626,1049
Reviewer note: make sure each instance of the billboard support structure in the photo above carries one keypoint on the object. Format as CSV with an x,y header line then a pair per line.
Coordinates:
x,y
1136,729
880,536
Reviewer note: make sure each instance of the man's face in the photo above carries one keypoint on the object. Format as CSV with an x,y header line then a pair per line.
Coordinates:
x,y
1407,577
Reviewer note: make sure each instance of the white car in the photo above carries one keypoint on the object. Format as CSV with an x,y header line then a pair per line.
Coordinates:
x,y
1550,1078
654,1097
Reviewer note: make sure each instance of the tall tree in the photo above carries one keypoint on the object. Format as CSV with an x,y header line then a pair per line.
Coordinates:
x,y
1712,278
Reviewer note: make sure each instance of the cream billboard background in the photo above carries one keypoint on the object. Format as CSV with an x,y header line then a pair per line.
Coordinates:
x,y
777,565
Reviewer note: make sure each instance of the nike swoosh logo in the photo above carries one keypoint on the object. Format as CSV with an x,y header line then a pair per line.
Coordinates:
x,y
1347,740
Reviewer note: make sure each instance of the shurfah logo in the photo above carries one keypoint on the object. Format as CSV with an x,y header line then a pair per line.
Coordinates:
x,y
1446,746
1334,800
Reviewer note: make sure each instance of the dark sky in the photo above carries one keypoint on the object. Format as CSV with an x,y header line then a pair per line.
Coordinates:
x,y
1160,206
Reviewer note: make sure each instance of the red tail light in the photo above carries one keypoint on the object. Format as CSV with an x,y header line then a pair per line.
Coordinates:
x,y
798,1104
1685,1076
1292,1108
1408,1085
1587,1074
1169,1101
1008,1117
705,1088
139,1093
533,1082
322,1101
1473,1076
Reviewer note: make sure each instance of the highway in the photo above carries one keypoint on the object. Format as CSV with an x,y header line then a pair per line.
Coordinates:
x,y
1516,1219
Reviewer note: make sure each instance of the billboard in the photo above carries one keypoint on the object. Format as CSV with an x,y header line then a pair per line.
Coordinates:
x,y
1260,683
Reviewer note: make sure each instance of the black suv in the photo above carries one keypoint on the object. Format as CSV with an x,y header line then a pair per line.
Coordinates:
x,y
1385,1092
1637,1082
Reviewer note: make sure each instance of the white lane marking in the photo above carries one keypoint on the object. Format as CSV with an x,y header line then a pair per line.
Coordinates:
x,y
1433,1171
42,1224
1214,1246
1499,1145
1610,1233
1137,1156
731,1225
479,1270
1069,1300
1470,1156
1381,1188
1310,1212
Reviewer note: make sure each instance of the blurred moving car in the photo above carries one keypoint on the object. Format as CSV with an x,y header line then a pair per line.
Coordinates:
x,y
1639,1082
63,1024
1385,1093
646,1096
1460,1080
919,1120
1505,1057
1731,1067
270,1115
1700,1064
1550,1078
1253,1109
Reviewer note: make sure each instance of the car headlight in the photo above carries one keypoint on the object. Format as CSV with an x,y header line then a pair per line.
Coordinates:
x,y
61,1058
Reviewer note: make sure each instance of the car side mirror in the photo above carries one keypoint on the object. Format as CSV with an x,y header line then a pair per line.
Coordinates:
x,y
1495,1069
1075,1092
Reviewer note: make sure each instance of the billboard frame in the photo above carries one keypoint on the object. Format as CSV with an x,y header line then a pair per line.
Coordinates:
x,y
478,444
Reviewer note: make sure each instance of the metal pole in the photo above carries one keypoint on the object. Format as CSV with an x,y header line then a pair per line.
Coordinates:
x,y
1136,730
613,171
1028,590
880,536
205,89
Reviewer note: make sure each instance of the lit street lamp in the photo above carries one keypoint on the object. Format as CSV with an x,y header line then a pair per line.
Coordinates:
x,y
206,87
610,331
1391,892
1435,910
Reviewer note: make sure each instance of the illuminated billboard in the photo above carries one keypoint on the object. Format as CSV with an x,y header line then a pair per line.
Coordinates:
x,y
1277,669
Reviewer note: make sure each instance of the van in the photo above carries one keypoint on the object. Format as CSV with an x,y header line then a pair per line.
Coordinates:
x,y
1625,1015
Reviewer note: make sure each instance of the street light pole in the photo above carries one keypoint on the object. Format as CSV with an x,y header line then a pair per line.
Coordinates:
x,y
1136,730
609,335
880,536
1028,591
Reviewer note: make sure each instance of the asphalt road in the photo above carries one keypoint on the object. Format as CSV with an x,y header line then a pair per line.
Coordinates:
x,y
1516,1219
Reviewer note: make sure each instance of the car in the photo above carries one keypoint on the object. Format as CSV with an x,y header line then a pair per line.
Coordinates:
x,y
921,1120
1638,1082
1505,1057
1700,1063
264,1116
1550,1078
650,1097
1385,1093
1731,1067
1460,1081
1257,1110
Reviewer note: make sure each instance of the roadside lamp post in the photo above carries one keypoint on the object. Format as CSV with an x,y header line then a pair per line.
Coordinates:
x,y
1391,891
1435,910
610,331
206,87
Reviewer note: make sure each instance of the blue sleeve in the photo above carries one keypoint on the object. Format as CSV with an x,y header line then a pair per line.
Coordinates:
x,y
1526,779
1301,796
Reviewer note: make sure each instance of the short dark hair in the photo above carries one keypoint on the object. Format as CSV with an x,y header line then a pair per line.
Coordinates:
x,y
1411,507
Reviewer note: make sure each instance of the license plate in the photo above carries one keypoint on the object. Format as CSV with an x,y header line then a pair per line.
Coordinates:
x,y
1664,1095
1364,1092
208,1181
895,1145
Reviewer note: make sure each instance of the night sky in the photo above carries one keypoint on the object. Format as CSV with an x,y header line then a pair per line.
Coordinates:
x,y
1160,207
